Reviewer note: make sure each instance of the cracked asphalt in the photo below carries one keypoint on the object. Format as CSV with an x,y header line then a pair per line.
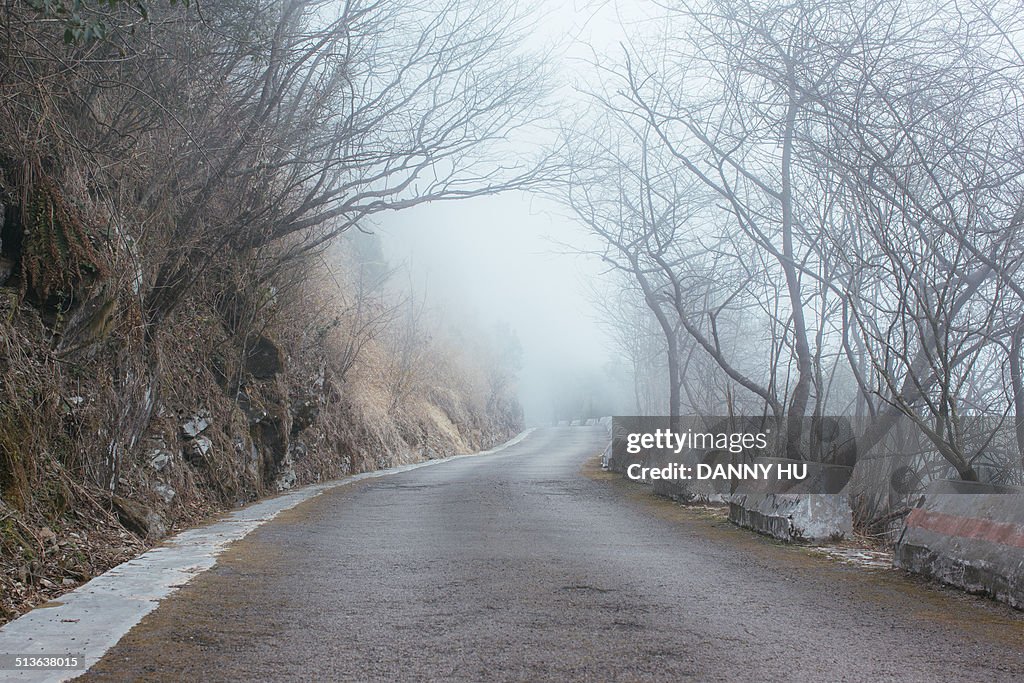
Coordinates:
x,y
533,565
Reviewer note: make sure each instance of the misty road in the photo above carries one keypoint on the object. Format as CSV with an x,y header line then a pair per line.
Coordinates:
x,y
532,564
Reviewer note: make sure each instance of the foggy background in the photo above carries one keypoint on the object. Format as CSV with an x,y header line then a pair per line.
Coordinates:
x,y
502,259
495,259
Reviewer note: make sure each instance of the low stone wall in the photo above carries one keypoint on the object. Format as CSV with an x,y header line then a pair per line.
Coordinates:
x,y
968,535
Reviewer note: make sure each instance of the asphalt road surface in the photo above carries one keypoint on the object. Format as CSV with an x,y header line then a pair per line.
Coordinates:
x,y
531,564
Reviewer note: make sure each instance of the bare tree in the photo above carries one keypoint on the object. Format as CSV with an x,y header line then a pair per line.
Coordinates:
x,y
855,188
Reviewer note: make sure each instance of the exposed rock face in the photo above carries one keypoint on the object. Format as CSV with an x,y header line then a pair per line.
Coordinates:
x,y
165,492
159,459
304,413
197,449
286,477
196,425
271,438
228,395
264,360
254,411
139,519
6,269
11,235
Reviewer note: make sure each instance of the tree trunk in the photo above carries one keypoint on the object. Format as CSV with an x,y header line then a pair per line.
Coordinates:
x,y
1017,383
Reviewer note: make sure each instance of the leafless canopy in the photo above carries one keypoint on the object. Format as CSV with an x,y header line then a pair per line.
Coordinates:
x,y
825,199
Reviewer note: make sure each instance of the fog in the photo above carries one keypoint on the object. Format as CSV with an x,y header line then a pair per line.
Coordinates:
x,y
504,258
499,259
751,249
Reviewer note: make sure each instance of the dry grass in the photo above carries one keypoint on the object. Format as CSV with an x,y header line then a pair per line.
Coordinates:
x,y
59,521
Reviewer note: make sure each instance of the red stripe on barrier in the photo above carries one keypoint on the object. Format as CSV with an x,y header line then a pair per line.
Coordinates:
x,y
967,527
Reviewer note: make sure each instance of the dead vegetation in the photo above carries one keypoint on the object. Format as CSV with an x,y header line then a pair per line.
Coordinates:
x,y
188,320
242,411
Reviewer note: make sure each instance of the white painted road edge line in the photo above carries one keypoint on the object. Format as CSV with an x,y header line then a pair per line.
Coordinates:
x,y
91,619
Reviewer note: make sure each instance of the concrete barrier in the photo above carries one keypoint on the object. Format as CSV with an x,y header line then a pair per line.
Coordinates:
x,y
699,491
617,457
794,517
968,535
815,509
692,491
618,460
606,455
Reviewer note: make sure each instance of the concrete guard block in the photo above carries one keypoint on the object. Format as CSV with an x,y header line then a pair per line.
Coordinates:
x,y
970,536
794,517
714,492
620,462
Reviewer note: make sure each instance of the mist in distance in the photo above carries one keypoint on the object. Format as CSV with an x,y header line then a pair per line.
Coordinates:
x,y
518,258
498,260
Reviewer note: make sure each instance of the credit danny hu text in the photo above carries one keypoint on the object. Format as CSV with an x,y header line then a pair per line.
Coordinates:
x,y
767,471
723,442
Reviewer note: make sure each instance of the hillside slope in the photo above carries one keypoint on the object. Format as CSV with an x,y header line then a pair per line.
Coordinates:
x,y
191,314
